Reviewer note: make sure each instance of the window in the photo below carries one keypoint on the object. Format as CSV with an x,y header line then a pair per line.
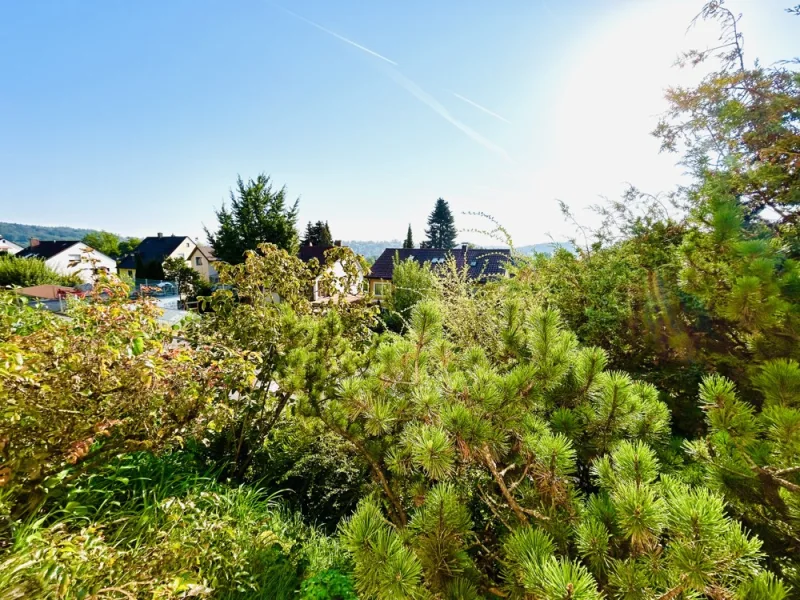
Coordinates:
x,y
381,289
198,261
130,273
187,244
181,255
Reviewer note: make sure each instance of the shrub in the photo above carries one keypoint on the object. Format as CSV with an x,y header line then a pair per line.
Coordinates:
x,y
155,527
24,272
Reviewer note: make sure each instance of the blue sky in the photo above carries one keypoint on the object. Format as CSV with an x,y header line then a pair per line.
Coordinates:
x,y
137,117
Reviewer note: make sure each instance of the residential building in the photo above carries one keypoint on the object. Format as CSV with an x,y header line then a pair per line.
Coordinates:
x,y
483,264
335,268
8,247
68,257
145,262
202,260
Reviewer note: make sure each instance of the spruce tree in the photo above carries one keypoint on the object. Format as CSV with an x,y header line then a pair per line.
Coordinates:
x,y
441,230
409,241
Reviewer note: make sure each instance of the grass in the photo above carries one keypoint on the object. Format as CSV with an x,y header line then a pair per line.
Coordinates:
x,y
156,528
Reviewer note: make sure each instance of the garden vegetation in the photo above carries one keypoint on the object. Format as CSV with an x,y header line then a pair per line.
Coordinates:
x,y
620,422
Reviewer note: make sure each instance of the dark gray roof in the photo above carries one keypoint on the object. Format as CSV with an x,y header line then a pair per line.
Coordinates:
x,y
308,252
482,263
45,250
152,250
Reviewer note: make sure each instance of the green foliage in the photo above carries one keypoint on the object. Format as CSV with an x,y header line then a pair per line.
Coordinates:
x,y
76,391
103,241
187,279
155,528
24,272
510,439
751,455
298,354
258,214
411,282
441,229
110,244
409,241
328,585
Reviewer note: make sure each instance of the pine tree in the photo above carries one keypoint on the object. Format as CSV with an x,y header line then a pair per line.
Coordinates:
x,y
441,230
487,462
409,241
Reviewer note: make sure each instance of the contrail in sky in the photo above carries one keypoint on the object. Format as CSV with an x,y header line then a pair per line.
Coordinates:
x,y
417,91
437,107
338,37
483,108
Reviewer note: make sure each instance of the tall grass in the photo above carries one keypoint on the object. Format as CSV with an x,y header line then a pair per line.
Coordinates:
x,y
147,527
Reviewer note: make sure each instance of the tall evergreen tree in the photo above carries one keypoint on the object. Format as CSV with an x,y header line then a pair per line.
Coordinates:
x,y
258,214
441,230
409,241
318,234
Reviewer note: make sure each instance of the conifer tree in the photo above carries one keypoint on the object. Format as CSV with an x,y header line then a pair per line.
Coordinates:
x,y
409,241
318,234
258,214
441,229
446,427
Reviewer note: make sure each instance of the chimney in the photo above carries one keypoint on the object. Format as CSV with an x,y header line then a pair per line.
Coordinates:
x,y
464,247
159,234
34,242
338,243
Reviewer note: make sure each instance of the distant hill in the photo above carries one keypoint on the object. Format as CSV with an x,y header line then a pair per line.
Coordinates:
x,y
548,248
372,249
21,234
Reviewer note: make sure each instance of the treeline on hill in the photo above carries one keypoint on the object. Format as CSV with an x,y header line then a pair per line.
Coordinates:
x,y
623,422
21,234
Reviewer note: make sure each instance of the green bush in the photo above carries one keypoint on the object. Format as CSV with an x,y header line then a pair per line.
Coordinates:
x,y
157,528
328,585
24,272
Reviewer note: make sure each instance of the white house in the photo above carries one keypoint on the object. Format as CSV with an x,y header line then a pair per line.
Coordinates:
x,y
154,250
68,257
204,262
8,247
308,252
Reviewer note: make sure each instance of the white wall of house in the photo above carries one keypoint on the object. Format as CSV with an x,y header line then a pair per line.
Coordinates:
x,y
8,247
200,263
339,274
61,263
185,250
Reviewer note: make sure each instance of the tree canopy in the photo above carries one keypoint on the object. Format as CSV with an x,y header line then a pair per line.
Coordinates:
x,y
441,229
258,214
318,234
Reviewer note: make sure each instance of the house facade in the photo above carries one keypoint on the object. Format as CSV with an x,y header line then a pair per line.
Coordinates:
x,y
146,260
67,257
203,261
9,247
481,264
336,269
